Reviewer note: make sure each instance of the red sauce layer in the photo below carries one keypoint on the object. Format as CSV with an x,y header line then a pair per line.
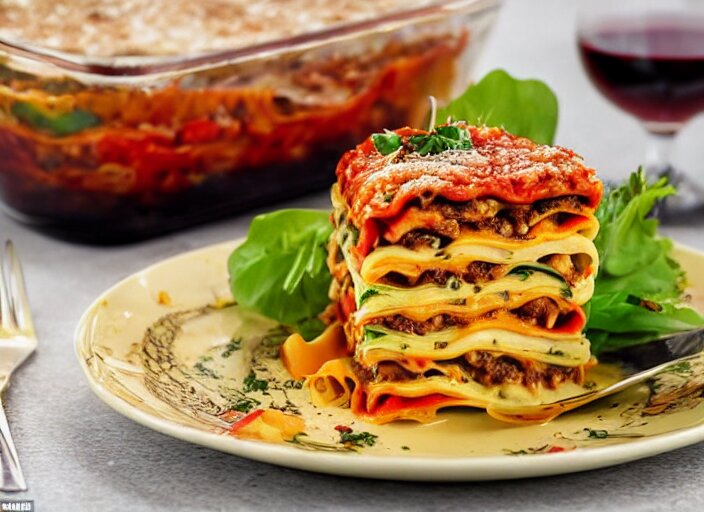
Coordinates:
x,y
502,166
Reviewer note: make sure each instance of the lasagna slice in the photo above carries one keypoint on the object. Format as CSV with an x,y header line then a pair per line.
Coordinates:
x,y
459,277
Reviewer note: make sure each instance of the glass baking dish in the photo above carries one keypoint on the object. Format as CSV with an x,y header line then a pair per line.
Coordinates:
x,y
110,150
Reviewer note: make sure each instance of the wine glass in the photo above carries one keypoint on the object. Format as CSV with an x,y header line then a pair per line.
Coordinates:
x,y
647,57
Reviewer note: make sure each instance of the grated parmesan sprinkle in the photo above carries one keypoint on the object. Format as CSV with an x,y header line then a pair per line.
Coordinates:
x,y
502,166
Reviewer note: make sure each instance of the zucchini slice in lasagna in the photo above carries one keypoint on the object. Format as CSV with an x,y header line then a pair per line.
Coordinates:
x,y
459,278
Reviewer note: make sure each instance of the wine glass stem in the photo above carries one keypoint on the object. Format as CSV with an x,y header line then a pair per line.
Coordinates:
x,y
659,153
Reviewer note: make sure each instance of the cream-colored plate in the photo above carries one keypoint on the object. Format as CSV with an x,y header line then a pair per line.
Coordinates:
x,y
154,351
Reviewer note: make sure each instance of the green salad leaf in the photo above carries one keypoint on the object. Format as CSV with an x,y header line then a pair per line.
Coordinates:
x,y
280,270
523,107
639,288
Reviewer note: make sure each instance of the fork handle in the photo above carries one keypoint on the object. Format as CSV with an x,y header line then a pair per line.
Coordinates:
x,y
11,477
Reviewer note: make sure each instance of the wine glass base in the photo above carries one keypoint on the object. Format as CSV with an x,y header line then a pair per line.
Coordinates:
x,y
686,207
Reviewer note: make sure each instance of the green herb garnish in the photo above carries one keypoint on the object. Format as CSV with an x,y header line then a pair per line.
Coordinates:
x,y
387,142
443,138
244,404
251,383
359,439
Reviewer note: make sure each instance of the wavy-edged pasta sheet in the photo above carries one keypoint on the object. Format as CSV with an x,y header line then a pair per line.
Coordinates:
x,y
302,358
466,301
542,224
470,248
336,384
388,345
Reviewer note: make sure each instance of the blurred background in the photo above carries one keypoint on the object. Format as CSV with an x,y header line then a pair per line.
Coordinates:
x,y
542,36
160,127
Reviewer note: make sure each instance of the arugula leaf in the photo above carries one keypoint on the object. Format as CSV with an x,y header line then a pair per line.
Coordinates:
x,y
523,107
280,270
639,287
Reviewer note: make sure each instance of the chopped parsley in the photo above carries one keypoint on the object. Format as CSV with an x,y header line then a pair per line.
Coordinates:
x,y
244,404
251,383
360,439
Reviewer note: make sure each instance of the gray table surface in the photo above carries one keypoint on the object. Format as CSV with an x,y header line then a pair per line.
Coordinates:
x,y
80,455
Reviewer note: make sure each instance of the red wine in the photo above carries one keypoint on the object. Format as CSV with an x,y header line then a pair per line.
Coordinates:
x,y
653,69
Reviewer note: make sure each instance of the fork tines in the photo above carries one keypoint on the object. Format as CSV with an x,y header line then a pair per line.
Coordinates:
x,y
14,305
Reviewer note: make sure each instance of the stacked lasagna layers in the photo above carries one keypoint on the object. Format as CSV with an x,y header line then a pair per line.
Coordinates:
x,y
459,277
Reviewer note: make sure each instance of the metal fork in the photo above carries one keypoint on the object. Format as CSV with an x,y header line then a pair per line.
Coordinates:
x,y
638,363
17,341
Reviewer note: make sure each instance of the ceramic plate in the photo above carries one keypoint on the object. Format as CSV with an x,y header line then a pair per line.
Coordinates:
x,y
166,348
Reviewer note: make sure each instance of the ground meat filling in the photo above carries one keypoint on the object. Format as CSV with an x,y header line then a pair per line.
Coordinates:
x,y
487,368
437,323
507,220
543,312
479,272
490,370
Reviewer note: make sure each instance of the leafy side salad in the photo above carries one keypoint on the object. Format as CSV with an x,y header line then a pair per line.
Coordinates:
x,y
639,289
280,271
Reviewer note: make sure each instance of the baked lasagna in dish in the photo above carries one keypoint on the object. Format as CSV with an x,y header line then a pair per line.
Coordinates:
x,y
459,277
